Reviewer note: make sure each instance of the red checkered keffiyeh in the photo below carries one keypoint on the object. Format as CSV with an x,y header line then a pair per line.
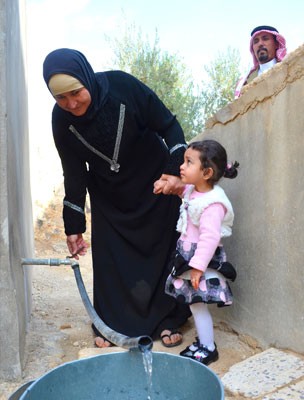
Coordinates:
x,y
280,54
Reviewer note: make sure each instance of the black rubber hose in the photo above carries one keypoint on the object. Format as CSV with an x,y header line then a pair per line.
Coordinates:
x,y
143,343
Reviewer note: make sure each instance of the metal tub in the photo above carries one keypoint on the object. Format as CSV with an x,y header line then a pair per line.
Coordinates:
x,y
121,376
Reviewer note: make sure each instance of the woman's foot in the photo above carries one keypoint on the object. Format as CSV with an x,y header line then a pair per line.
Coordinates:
x,y
171,338
102,342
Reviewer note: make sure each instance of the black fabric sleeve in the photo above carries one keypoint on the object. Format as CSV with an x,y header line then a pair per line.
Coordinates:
x,y
75,182
161,120
175,161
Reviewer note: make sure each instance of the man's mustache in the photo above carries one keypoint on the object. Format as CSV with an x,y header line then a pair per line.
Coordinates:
x,y
262,49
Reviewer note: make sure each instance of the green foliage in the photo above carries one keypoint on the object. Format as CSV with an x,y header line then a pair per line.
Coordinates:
x,y
164,73
223,74
167,75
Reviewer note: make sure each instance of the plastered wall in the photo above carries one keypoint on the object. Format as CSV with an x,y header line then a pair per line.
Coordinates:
x,y
264,131
16,230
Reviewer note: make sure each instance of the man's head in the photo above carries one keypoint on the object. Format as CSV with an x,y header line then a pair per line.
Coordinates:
x,y
266,44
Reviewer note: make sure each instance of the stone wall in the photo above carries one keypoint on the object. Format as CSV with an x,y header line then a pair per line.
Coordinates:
x,y
263,130
16,230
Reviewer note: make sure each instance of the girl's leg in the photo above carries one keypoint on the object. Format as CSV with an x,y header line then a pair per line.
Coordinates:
x,y
206,352
204,325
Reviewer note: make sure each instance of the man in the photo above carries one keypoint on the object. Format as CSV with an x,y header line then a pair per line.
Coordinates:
x,y
267,47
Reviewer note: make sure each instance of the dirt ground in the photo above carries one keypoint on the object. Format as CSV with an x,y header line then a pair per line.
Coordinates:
x,y
60,329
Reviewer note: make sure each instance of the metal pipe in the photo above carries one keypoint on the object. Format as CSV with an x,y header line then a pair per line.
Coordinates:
x,y
47,261
143,343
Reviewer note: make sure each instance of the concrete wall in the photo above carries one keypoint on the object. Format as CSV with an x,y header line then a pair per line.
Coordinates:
x,y
263,130
16,231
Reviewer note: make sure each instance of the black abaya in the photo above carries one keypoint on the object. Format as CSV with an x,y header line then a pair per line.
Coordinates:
x,y
133,230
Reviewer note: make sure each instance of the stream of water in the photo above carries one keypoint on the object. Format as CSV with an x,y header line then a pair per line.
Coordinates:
x,y
147,360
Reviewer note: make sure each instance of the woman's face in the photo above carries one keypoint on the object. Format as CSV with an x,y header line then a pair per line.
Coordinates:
x,y
76,102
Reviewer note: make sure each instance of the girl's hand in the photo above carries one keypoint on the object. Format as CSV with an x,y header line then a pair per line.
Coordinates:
x,y
77,245
195,277
169,184
159,185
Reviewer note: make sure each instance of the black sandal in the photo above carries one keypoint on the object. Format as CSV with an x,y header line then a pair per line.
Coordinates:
x,y
168,335
99,334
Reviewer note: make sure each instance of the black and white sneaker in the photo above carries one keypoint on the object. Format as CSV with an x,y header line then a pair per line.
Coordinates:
x,y
205,356
190,350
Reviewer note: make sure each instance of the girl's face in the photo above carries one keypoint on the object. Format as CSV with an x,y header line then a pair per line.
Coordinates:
x,y
76,102
191,171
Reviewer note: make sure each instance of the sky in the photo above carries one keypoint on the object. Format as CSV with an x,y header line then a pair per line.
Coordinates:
x,y
196,30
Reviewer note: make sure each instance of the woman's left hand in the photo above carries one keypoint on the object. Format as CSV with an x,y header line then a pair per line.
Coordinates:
x,y
169,184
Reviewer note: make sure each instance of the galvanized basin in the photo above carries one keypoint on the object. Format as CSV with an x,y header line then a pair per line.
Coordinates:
x,y
121,376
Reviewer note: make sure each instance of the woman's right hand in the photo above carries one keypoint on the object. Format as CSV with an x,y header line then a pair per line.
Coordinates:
x,y
169,184
77,245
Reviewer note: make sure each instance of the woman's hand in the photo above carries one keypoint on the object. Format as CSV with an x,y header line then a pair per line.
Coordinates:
x,y
195,277
77,245
169,184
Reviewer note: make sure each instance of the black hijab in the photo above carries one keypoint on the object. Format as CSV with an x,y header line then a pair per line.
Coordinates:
x,y
72,62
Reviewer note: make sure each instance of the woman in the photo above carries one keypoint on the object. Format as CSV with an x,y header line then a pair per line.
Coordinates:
x,y
115,138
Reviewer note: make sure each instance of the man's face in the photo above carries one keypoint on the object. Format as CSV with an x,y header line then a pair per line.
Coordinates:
x,y
264,47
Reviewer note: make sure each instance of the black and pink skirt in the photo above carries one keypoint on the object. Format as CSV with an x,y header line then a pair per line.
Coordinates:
x,y
213,287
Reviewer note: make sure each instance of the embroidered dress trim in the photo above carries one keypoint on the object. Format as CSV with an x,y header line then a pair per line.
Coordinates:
x,y
73,206
177,146
114,166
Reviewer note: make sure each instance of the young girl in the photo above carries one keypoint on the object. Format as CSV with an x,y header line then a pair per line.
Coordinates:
x,y
206,215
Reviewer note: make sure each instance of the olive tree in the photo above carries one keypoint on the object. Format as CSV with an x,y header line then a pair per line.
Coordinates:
x,y
218,89
164,73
